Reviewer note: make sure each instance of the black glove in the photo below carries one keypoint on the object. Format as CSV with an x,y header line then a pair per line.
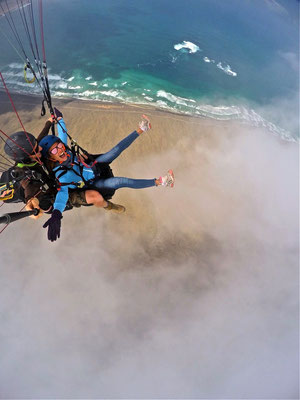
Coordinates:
x,y
57,113
53,224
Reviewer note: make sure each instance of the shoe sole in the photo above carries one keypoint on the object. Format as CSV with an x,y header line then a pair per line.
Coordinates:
x,y
147,119
172,174
119,210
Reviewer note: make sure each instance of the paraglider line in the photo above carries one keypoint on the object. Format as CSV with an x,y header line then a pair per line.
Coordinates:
x,y
12,103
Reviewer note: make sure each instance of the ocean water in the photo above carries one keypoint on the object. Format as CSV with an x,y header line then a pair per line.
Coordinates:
x,y
219,59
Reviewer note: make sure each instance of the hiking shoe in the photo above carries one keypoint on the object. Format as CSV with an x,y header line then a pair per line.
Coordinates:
x,y
145,125
116,208
167,180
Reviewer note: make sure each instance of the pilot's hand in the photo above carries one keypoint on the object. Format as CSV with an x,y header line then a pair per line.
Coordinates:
x,y
34,203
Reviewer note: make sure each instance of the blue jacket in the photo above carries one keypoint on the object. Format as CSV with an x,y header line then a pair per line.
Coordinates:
x,y
70,176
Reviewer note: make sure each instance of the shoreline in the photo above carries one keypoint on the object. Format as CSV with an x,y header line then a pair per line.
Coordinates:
x,y
35,100
24,99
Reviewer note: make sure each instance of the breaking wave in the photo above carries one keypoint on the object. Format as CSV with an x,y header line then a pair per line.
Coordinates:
x,y
227,69
208,60
192,47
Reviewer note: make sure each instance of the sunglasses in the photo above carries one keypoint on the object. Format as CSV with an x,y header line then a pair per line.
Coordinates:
x,y
60,145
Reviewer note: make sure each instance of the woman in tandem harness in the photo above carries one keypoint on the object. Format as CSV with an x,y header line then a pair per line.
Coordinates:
x,y
73,172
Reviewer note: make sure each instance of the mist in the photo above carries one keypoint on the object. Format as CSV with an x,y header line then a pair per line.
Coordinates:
x,y
192,293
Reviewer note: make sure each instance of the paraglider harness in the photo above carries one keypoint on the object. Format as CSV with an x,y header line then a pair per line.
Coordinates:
x,y
11,190
102,170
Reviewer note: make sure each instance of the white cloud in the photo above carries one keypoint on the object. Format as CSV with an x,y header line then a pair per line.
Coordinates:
x,y
291,58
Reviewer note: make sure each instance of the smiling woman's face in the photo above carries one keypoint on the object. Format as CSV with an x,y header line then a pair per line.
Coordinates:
x,y
57,152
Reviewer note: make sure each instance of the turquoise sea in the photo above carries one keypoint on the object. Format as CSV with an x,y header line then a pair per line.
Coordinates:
x,y
219,59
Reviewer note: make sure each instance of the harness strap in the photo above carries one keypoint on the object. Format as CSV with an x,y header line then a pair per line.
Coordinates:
x,y
64,171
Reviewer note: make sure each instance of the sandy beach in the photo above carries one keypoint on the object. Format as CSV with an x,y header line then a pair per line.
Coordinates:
x,y
203,272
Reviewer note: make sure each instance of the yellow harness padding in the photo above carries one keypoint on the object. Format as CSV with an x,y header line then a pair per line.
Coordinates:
x,y
6,194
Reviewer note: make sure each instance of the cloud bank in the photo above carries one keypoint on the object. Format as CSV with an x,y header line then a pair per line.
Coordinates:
x,y
193,293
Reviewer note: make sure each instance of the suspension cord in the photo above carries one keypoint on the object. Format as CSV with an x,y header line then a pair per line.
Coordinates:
x,y
5,158
12,103
27,19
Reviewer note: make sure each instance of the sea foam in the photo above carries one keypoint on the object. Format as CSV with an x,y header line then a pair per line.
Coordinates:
x,y
208,60
112,93
16,65
227,69
175,99
192,47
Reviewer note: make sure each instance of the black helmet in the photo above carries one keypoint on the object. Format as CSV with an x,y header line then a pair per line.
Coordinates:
x,y
20,145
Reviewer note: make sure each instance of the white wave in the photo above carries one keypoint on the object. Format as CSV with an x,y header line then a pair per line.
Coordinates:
x,y
124,83
60,94
105,85
113,93
74,87
70,79
227,69
219,110
87,93
20,73
192,47
161,103
16,65
88,78
16,83
149,98
175,99
14,74
55,77
93,83
208,60
62,85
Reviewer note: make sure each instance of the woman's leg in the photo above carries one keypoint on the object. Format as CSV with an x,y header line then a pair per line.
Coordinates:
x,y
119,182
95,198
112,154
